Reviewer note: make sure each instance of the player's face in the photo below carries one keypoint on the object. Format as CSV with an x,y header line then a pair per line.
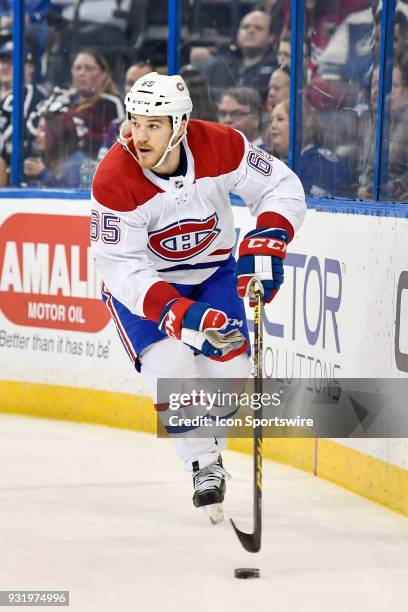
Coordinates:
x,y
279,130
238,116
151,136
87,75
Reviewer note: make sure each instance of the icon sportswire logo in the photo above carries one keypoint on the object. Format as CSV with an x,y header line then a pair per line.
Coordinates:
x,y
185,239
47,273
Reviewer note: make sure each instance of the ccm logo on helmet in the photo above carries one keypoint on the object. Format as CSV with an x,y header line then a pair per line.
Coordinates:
x,y
184,240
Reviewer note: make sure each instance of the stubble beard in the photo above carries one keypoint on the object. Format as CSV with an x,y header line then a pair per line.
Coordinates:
x,y
148,165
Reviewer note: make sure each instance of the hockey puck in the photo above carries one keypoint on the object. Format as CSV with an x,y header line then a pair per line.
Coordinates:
x,y
246,572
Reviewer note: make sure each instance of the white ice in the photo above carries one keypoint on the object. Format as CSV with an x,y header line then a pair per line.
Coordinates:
x,y
107,515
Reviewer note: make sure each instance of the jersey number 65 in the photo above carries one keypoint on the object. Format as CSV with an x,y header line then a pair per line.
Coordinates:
x,y
106,227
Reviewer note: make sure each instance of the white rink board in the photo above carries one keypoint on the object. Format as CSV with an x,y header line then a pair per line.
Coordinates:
x,y
334,316
108,368
389,450
337,307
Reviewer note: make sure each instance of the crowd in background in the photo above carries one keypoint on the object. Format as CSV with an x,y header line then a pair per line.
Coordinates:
x,y
82,56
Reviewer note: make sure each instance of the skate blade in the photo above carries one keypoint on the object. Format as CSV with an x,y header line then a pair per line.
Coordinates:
x,y
215,513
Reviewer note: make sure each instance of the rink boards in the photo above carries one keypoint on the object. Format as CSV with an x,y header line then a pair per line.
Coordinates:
x,y
342,312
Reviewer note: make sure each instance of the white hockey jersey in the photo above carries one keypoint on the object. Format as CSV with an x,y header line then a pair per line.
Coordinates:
x,y
148,231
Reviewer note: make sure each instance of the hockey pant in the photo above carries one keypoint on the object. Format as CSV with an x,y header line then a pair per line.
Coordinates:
x,y
159,357
174,360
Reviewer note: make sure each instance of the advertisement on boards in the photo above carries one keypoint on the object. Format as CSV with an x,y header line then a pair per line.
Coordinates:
x,y
54,327
341,311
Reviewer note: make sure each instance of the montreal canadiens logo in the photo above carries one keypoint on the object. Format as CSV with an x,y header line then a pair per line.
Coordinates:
x,y
184,240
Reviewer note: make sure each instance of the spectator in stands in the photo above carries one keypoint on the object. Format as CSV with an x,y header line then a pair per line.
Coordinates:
x,y
201,53
328,94
314,11
6,15
241,108
33,97
204,106
279,10
322,173
345,7
135,71
343,121
6,69
92,102
397,183
283,54
58,160
4,173
251,64
36,30
113,27
344,68
322,18
278,87
95,22
401,36
349,55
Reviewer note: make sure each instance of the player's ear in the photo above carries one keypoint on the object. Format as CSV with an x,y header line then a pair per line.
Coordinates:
x,y
125,133
126,128
181,130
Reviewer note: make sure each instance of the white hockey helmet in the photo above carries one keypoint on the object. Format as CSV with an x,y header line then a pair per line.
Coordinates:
x,y
156,95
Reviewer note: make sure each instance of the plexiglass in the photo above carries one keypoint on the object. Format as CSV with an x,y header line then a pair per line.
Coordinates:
x,y
80,59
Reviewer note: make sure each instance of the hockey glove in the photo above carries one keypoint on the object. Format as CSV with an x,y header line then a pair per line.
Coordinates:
x,y
202,328
261,255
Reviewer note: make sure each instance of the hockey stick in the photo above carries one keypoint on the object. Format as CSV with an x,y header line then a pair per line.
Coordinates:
x,y
252,541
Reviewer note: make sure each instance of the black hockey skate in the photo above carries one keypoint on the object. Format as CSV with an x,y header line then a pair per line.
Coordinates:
x,y
209,489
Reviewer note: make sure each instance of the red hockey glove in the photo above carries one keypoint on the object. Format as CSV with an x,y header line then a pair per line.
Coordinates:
x,y
202,328
261,255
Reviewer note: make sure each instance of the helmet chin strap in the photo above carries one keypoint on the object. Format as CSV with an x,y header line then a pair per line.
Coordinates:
x,y
171,146
124,141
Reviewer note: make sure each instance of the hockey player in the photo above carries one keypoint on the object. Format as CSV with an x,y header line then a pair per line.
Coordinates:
x,y
162,233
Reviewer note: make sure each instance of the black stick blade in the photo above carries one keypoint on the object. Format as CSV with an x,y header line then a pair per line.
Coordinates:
x,y
250,541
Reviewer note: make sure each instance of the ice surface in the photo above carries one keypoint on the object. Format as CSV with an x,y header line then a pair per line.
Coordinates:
x,y
107,514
